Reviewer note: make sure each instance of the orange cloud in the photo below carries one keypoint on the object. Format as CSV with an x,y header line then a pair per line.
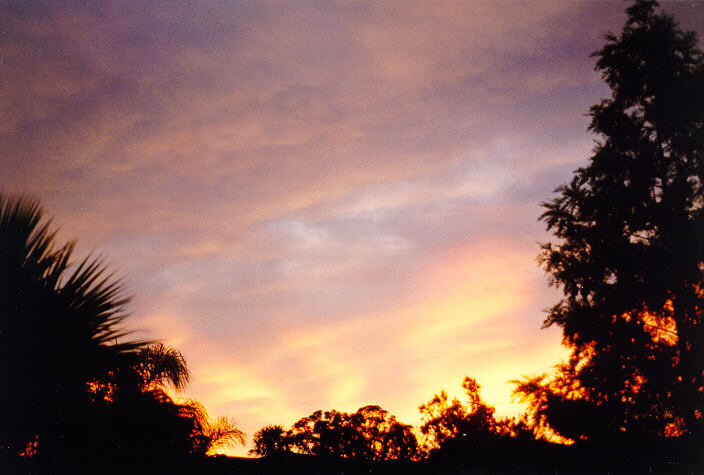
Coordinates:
x,y
321,206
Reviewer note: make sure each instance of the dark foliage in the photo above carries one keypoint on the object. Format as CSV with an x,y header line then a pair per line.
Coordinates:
x,y
452,426
58,332
370,434
145,422
444,420
71,387
629,254
270,441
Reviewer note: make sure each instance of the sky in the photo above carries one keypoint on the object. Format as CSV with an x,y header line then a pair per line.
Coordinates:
x,y
320,204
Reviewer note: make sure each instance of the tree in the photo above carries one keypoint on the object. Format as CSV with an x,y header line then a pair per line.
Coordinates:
x,y
58,331
270,441
382,437
71,386
207,434
629,254
159,366
145,422
371,433
445,421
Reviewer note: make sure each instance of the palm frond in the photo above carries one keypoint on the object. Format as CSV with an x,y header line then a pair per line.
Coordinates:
x,y
223,432
160,365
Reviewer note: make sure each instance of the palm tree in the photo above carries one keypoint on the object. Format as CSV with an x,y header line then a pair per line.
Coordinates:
x,y
159,366
146,421
70,384
60,329
209,434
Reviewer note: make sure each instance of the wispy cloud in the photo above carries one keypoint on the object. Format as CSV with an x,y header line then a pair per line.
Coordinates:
x,y
322,204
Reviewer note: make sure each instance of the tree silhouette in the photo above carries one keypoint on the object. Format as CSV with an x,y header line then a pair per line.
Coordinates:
x,y
59,330
629,254
270,441
146,422
446,421
370,433
71,386
159,366
382,436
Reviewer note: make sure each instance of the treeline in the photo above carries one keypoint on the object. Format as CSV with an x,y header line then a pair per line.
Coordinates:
x,y
371,433
628,256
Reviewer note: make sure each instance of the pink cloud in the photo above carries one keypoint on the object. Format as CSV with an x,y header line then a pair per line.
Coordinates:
x,y
325,205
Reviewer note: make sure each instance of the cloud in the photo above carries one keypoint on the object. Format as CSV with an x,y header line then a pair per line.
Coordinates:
x,y
324,205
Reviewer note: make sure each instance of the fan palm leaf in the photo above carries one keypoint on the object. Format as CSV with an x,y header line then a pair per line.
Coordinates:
x,y
60,328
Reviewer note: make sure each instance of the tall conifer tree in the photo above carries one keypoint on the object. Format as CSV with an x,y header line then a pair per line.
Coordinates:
x,y
629,253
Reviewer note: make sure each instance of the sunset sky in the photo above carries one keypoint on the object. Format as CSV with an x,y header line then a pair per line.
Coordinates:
x,y
321,204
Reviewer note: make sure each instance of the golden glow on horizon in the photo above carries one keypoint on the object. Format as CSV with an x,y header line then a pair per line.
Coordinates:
x,y
321,207
447,330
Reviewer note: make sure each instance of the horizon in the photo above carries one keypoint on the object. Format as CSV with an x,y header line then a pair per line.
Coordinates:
x,y
322,206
